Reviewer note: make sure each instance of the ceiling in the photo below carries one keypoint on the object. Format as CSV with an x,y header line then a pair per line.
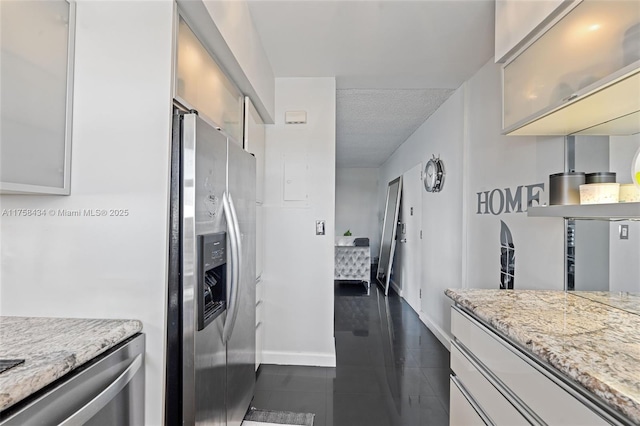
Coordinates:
x,y
395,61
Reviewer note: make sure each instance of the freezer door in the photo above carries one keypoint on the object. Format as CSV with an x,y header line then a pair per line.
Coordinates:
x,y
241,345
210,379
204,158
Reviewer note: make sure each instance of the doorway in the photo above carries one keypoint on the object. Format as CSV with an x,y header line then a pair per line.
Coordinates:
x,y
409,239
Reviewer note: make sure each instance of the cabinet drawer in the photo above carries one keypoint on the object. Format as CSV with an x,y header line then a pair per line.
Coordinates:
x,y
461,411
495,405
548,400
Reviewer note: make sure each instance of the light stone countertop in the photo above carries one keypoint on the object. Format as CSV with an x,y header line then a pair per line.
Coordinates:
x,y
52,347
582,336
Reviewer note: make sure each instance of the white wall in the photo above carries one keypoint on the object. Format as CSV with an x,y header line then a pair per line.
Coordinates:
x,y
499,162
462,248
226,27
357,204
106,267
442,134
298,264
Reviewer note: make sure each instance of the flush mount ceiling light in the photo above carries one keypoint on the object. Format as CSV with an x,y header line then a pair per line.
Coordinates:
x,y
295,117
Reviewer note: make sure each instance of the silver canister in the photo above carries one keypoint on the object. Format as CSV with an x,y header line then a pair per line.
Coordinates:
x,y
600,177
564,188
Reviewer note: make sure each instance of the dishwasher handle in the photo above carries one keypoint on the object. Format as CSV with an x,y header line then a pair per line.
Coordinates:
x,y
92,407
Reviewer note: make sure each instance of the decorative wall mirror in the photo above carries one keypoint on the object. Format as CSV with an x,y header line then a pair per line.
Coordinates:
x,y
388,240
597,256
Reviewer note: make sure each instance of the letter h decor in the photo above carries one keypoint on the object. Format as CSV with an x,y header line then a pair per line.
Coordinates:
x,y
507,258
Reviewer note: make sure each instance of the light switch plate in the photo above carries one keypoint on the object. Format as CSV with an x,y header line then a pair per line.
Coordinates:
x,y
624,232
319,227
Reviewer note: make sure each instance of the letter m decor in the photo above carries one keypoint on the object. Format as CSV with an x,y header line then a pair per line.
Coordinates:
x,y
507,257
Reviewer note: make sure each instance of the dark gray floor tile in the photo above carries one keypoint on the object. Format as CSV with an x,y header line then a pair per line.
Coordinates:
x,y
431,358
424,411
438,379
291,382
298,370
360,410
416,339
261,398
357,379
412,383
391,370
353,350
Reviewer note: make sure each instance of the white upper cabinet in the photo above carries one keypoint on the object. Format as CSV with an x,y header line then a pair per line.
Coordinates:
x,y
254,138
583,72
202,85
254,142
518,20
36,64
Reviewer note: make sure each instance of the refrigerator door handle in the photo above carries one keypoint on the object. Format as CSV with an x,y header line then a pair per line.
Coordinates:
x,y
232,288
237,262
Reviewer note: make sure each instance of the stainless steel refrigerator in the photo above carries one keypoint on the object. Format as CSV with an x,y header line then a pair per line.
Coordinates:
x,y
210,377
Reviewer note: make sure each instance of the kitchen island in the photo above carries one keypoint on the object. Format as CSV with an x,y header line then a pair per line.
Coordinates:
x,y
51,349
586,345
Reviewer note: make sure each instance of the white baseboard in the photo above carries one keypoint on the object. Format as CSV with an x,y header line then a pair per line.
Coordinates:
x,y
396,287
442,335
299,358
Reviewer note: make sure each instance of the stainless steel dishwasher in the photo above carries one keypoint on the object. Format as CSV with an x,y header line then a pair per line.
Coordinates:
x,y
109,390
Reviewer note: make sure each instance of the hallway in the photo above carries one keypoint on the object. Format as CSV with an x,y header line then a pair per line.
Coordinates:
x,y
391,370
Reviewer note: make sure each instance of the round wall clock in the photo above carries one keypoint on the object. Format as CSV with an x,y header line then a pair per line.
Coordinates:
x,y
434,175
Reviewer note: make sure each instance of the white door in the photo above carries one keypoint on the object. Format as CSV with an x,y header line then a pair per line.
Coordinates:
x,y
409,236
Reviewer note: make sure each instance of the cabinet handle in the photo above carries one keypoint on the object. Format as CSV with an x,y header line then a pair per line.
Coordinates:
x,y
513,399
477,408
570,98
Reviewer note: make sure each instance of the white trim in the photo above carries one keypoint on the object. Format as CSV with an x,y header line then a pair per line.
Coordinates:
x,y
442,335
396,287
299,358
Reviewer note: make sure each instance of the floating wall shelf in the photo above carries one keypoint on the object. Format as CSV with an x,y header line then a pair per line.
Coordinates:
x,y
617,211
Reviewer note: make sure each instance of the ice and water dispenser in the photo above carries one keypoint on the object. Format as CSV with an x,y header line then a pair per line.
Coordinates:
x,y
212,277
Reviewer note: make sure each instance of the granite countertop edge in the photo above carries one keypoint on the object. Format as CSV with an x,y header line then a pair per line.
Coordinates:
x,y
53,347
537,349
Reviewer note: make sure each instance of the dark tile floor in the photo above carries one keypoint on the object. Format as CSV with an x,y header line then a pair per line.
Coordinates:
x,y
391,370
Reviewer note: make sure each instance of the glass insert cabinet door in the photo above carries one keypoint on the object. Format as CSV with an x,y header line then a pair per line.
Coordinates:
x,y
36,76
595,42
201,84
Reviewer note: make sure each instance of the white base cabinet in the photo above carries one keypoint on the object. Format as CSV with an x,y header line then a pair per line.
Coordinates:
x,y
505,386
465,413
